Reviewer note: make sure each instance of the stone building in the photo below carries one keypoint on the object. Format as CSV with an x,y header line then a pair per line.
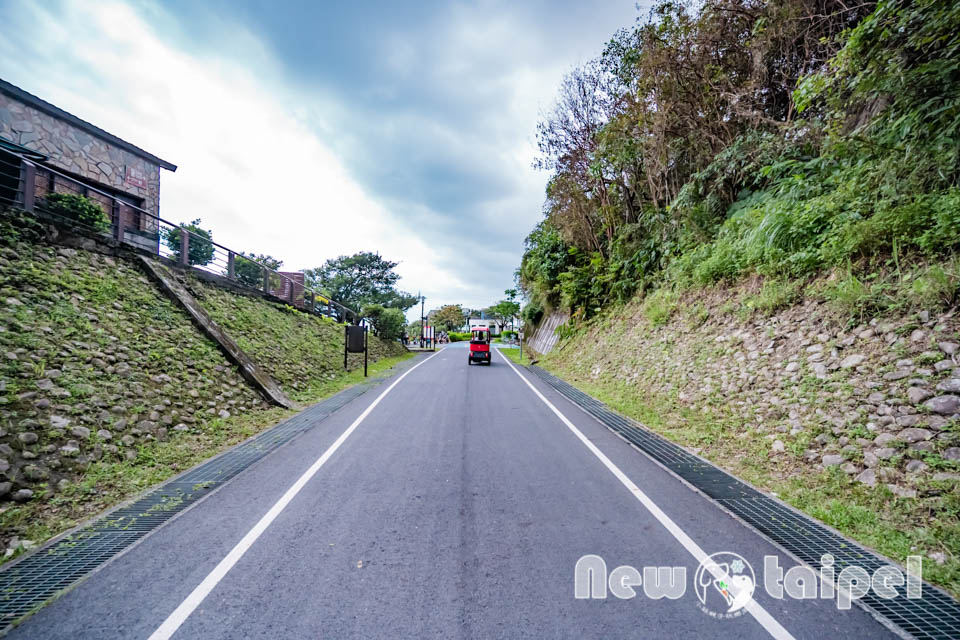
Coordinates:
x,y
54,151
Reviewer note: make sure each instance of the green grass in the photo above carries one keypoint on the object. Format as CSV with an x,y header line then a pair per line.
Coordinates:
x,y
327,388
893,526
659,306
514,355
774,295
107,483
302,352
861,292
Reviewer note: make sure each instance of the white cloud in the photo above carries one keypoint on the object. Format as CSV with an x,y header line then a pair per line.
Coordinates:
x,y
262,159
249,167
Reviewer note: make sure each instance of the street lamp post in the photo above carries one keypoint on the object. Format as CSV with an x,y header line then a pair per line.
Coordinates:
x,y
422,321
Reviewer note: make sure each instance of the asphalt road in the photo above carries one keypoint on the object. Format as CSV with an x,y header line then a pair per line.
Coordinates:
x,y
457,507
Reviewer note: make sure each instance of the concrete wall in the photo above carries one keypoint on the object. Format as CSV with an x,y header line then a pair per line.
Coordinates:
x,y
544,337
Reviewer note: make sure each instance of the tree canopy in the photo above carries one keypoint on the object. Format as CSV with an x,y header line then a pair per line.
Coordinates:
x,y
504,311
247,268
388,323
718,138
200,243
361,279
448,318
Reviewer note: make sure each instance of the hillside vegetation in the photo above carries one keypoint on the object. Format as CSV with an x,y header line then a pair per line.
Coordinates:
x,y
776,138
107,387
302,352
753,220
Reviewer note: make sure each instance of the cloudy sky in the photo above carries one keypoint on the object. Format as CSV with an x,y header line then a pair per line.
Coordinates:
x,y
308,130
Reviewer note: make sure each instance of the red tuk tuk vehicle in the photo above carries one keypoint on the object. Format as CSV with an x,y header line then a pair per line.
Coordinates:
x,y
479,346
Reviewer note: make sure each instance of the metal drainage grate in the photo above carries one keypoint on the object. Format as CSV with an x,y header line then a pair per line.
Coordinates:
x,y
28,583
936,615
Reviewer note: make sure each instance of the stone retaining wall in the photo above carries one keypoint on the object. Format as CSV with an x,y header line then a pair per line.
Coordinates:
x,y
879,399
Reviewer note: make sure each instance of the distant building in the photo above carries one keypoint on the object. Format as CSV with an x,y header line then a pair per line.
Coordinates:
x,y
484,323
58,152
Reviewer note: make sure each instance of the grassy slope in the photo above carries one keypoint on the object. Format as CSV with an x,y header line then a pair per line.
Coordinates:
x,y
304,353
89,340
643,359
95,357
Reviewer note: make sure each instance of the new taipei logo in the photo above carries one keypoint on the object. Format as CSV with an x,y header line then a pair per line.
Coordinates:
x,y
724,583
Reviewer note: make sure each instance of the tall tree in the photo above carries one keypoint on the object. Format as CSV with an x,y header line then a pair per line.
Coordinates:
x,y
448,318
200,251
248,271
388,323
361,279
503,312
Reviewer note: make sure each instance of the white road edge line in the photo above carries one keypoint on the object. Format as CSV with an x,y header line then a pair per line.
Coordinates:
x,y
767,621
197,596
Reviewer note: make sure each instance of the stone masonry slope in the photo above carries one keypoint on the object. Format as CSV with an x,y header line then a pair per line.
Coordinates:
x,y
300,351
858,423
96,368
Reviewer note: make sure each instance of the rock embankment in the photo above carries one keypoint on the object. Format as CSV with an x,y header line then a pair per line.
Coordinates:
x,y
302,352
107,386
878,399
96,365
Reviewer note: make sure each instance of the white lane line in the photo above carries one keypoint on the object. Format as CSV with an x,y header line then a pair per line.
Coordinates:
x,y
181,613
768,622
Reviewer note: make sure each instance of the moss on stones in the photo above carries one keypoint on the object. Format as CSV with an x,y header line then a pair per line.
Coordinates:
x,y
301,351
96,366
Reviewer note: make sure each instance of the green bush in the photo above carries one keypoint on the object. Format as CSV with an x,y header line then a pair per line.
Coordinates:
x,y
248,272
532,313
78,209
16,225
201,243
858,296
457,336
721,262
508,335
934,287
388,323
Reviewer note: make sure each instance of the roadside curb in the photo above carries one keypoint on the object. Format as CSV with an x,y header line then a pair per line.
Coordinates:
x,y
34,579
935,615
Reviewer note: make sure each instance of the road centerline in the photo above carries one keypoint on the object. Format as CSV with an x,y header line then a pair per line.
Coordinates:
x,y
767,621
199,594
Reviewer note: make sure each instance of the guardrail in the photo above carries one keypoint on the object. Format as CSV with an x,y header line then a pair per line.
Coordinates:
x,y
26,185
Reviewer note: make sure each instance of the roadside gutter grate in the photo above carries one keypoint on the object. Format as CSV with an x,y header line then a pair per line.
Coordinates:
x,y
28,583
934,616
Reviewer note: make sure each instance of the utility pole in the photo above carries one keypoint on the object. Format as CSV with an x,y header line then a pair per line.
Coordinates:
x,y
422,322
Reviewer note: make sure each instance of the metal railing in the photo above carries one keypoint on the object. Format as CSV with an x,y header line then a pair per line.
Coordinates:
x,y
26,185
